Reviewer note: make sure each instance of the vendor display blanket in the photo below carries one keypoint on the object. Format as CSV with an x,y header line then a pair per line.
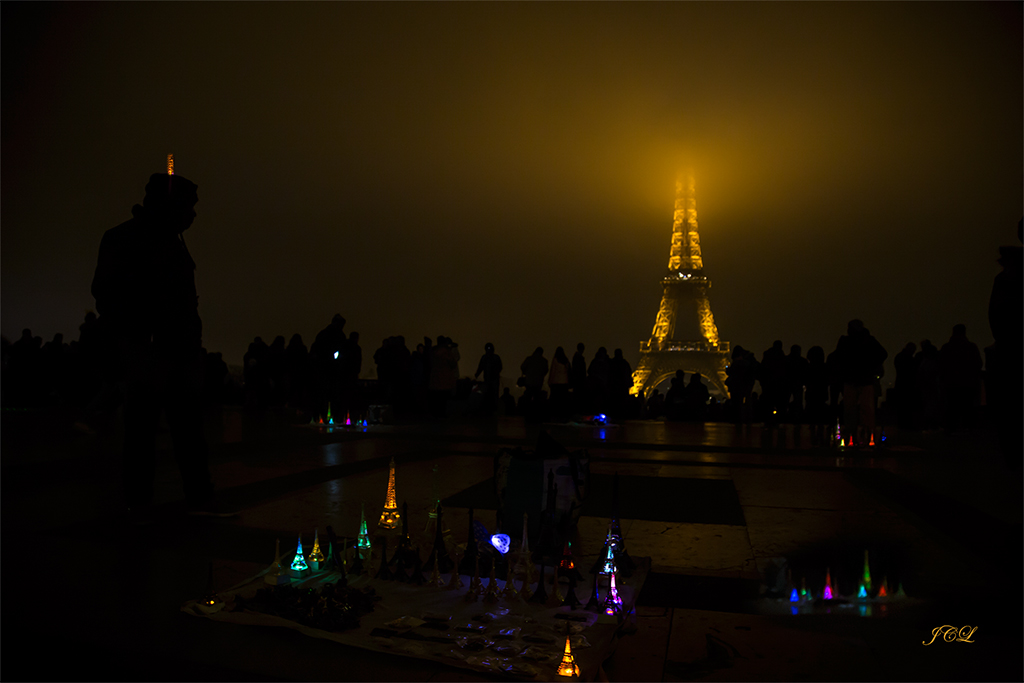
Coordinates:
x,y
487,640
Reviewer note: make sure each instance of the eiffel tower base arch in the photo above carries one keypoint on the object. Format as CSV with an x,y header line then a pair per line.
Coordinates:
x,y
657,366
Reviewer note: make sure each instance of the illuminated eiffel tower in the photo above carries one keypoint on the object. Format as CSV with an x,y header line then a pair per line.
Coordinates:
x,y
685,336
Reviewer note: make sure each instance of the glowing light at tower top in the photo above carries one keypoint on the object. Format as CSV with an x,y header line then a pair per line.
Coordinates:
x,y
170,164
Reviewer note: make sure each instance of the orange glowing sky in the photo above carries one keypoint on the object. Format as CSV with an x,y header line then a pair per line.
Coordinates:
x,y
505,172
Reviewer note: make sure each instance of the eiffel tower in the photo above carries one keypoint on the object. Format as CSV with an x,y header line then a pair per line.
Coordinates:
x,y
685,336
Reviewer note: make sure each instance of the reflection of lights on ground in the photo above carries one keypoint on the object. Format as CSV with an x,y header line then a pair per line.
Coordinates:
x,y
332,453
602,434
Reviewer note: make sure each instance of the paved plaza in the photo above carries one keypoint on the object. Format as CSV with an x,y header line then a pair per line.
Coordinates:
x,y
725,513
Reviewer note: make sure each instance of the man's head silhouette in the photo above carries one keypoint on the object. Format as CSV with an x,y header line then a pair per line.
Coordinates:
x,y
173,198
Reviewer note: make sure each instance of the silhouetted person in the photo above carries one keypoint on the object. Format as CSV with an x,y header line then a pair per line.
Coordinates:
x,y
558,382
675,397
149,316
620,381
256,374
773,381
327,365
960,379
534,369
741,373
597,381
296,371
275,371
508,402
354,359
796,378
578,378
490,367
859,359
1004,367
655,405
927,385
418,377
816,396
444,373
215,383
695,398
21,371
905,385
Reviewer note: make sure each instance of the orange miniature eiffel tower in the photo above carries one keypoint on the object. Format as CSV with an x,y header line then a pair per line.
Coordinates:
x,y
389,515
685,336
568,667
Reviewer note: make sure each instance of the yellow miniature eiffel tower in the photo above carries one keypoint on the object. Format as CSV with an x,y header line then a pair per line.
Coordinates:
x,y
316,556
389,515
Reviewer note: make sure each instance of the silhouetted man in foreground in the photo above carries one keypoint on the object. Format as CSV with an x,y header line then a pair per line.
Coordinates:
x,y
152,337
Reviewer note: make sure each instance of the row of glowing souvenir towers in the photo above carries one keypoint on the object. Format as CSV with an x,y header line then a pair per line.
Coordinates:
x,y
330,421
865,589
842,441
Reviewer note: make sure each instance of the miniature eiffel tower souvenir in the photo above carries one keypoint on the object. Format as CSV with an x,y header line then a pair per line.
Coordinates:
x,y
316,556
335,551
593,604
384,573
363,544
524,591
476,586
211,602
299,568
357,563
435,580
612,602
523,554
389,515
456,581
274,576
440,550
541,594
472,553
624,564
866,578
509,591
571,601
567,567
433,521
568,666
555,597
547,537
491,594
417,571
403,554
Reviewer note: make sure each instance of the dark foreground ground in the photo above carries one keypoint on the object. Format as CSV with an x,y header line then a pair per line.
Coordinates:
x,y
719,510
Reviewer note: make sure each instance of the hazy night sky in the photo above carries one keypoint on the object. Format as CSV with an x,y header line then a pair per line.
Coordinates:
x,y
505,172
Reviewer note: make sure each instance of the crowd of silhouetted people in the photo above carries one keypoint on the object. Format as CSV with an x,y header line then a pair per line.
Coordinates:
x,y
933,388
